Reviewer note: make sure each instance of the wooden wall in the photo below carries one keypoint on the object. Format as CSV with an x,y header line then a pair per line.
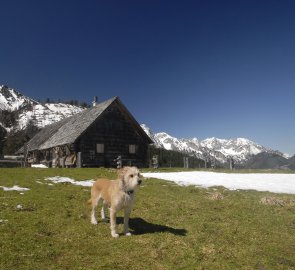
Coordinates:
x,y
116,131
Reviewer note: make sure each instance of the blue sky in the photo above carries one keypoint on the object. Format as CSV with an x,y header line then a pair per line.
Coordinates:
x,y
191,68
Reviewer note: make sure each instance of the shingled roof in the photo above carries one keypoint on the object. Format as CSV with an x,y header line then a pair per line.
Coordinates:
x,y
68,130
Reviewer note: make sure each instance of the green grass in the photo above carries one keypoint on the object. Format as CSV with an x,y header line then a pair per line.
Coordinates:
x,y
174,227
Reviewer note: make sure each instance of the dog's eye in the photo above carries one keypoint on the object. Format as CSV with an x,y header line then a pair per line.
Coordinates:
x,y
131,175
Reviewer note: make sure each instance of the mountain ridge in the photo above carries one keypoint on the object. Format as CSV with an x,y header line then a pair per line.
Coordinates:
x,y
19,111
218,151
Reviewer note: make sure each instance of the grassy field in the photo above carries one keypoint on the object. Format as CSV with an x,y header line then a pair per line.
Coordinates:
x,y
174,227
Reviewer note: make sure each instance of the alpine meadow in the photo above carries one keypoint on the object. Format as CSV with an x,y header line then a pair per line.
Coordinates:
x,y
173,227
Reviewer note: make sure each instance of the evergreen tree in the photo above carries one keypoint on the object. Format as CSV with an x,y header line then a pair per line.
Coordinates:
x,y
2,137
15,140
7,118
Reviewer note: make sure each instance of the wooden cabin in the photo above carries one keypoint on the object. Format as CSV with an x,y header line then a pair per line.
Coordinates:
x,y
95,137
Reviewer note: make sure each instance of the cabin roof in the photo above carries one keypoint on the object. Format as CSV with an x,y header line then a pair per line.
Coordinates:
x,y
68,130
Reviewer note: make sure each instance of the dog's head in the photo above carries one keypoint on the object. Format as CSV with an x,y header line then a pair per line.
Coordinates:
x,y
130,177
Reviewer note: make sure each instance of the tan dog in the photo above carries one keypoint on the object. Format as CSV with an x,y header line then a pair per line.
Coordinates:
x,y
116,194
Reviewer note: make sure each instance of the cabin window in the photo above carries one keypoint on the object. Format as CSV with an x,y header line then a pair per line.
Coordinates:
x,y
132,148
100,148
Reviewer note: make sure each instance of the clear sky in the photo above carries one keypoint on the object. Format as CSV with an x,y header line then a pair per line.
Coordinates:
x,y
200,69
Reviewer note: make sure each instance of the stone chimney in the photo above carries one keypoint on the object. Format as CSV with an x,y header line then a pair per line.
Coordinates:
x,y
94,102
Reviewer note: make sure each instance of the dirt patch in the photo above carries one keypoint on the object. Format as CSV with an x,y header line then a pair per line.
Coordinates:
x,y
215,196
277,201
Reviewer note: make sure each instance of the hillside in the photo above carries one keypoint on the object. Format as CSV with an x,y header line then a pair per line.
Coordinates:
x,y
270,161
25,111
292,163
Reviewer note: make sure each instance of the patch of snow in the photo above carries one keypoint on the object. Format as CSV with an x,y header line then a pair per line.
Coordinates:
x,y
286,155
39,166
60,179
19,207
277,183
14,188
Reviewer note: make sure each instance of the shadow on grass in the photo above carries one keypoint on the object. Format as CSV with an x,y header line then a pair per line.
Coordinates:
x,y
140,226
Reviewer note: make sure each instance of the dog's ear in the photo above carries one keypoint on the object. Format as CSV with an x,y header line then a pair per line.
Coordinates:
x,y
121,172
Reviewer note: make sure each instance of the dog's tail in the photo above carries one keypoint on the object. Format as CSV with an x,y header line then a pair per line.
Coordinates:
x,y
89,202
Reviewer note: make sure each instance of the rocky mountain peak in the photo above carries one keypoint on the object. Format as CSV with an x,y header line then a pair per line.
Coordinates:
x,y
12,100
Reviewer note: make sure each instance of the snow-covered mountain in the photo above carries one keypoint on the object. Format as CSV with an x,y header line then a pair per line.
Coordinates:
x,y
43,115
27,110
12,100
214,149
149,132
240,149
191,146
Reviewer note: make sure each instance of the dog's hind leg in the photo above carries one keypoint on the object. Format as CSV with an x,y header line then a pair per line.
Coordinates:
x,y
103,212
94,205
113,223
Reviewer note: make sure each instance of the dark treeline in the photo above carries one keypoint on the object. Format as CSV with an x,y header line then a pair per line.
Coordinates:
x,y
2,139
74,102
8,118
168,158
14,140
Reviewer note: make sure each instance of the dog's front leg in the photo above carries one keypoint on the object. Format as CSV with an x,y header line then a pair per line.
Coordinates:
x,y
127,212
113,223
